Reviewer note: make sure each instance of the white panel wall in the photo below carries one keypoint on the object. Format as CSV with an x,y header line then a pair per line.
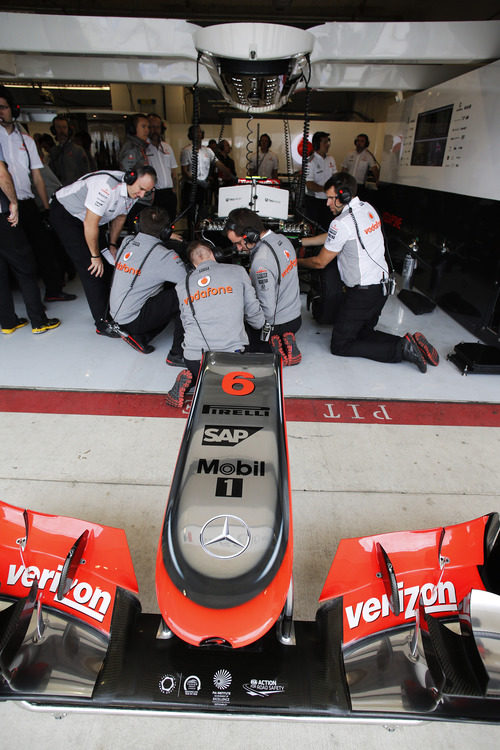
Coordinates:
x,y
471,164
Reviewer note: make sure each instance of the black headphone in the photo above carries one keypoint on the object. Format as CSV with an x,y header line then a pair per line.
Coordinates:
x,y
166,233
344,195
130,177
362,135
249,233
61,117
14,108
131,123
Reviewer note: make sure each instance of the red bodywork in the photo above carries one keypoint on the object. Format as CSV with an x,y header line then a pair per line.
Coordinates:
x,y
107,565
356,575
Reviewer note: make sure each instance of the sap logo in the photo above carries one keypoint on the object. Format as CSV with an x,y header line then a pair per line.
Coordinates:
x,y
440,598
91,602
227,436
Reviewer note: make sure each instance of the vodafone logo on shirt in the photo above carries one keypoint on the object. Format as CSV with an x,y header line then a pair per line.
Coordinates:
x,y
127,256
205,281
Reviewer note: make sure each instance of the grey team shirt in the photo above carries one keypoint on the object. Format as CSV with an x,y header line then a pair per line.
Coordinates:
x,y
222,297
280,302
103,193
137,257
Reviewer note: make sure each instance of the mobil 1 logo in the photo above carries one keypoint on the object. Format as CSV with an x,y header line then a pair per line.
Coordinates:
x,y
230,474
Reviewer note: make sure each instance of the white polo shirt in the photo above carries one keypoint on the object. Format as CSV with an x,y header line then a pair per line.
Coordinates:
x,y
21,156
103,193
268,163
319,170
358,164
163,161
358,264
206,158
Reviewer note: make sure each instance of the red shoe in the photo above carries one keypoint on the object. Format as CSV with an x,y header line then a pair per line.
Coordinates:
x,y
277,348
292,350
175,396
430,353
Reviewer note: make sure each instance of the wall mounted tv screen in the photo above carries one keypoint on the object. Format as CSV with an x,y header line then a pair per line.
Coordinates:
x,y
431,135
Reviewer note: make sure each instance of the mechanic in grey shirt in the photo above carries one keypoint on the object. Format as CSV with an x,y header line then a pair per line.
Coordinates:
x,y
215,300
273,272
143,299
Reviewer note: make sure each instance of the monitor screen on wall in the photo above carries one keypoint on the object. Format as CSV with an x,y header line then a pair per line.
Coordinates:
x,y
431,134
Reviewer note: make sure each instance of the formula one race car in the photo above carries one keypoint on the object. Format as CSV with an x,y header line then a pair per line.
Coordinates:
x,y
408,627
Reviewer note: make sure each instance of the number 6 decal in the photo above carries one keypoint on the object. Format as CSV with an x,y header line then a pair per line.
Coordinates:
x,y
238,383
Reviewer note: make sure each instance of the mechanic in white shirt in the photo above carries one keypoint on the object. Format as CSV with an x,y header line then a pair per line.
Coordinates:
x,y
162,159
24,165
320,168
77,212
265,162
359,161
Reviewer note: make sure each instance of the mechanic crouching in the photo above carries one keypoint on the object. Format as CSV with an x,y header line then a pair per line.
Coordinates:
x,y
143,299
79,210
215,300
273,272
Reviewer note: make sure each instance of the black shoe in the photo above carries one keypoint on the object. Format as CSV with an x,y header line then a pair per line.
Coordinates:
x,y
21,322
137,345
175,396
59,297
105,328
430,353
175,360
46,325
412,353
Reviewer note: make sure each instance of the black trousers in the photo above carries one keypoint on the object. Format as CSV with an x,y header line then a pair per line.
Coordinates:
x,y
256,345
42,245
17,255
70,232
155,315
353,332
167,199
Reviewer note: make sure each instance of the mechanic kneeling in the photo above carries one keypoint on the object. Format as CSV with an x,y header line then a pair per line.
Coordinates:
x,y
143,299
356,237
215,300
273,272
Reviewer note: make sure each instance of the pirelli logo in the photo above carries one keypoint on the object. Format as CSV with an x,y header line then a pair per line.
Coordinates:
x,y
242,411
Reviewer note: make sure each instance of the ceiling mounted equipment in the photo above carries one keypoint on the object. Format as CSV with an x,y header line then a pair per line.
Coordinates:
x,y
255,66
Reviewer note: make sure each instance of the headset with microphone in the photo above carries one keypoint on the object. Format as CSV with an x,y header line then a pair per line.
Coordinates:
x,y
66,119
131,123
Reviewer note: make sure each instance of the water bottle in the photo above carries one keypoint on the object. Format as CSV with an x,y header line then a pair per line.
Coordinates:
x,y
409,265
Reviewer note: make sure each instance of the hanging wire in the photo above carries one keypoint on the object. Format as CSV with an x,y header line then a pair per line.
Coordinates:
x,y
288,155
248,154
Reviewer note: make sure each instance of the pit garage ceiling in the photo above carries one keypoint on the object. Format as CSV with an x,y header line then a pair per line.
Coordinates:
x,y
367,47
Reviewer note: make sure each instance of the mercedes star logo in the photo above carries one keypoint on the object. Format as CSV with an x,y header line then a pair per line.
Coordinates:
x,y
225,536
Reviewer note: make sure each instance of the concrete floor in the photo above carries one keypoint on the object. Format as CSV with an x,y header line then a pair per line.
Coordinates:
x,y
348,478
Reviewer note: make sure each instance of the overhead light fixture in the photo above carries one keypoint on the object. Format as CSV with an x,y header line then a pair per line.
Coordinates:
x,y
255,66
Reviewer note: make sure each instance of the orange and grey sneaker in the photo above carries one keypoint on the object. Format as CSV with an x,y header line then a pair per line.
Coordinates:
x,y
276,348
293,355
46,325
21,322
430,353
411,353
175,396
